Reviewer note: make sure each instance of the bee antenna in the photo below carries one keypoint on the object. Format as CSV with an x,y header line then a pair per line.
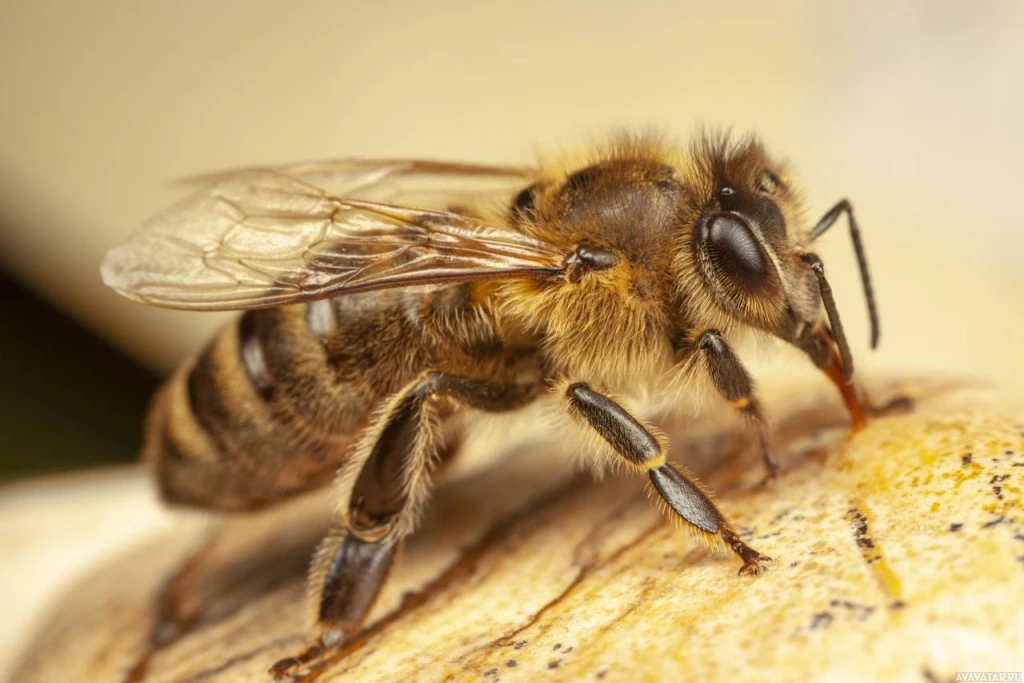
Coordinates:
x,y
862,261
814,261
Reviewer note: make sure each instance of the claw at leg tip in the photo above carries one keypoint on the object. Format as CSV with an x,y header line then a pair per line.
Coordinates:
x,y
755,567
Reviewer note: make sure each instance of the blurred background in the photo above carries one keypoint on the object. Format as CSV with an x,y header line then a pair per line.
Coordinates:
x,y
911,109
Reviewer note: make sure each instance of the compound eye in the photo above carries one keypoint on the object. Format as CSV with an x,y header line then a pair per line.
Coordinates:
x,y
735,251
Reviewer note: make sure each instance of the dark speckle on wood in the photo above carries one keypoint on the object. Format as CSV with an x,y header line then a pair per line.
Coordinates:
x,y
956,526
821,620
863,611
860,529
778,518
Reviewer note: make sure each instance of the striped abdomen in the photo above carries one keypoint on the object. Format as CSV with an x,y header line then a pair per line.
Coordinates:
x,y
278,400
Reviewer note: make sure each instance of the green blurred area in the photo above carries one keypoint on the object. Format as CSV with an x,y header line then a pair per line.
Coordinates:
x,y
68,400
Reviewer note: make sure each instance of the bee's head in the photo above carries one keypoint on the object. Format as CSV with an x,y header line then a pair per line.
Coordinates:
x,y
741,255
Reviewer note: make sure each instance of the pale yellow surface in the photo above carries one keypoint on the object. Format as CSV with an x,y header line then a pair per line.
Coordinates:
x,y
911,109
897,556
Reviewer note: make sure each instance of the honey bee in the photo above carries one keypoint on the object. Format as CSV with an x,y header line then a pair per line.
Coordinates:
x,y
375,312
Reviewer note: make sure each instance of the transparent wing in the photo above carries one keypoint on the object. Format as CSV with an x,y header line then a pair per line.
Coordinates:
x,y
408,182
261,238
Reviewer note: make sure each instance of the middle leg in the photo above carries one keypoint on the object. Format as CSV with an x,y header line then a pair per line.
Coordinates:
x,y
680,490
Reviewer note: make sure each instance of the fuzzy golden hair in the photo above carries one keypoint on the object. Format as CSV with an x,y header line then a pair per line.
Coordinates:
x,y
642,197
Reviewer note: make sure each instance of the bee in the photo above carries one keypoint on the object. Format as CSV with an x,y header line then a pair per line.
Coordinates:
x,y
376,312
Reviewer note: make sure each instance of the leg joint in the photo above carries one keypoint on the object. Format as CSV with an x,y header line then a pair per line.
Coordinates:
x,y
711,341
476,393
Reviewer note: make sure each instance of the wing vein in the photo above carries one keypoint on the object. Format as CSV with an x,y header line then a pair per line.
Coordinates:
x,y
265,237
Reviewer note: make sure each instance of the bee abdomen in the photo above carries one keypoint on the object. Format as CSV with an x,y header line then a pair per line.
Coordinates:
x,y
278,400
223,433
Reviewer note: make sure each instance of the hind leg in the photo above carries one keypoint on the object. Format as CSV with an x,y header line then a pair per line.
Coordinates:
x,y
387,486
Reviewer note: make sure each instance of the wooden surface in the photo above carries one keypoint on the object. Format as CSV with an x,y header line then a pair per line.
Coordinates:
x,y
899,555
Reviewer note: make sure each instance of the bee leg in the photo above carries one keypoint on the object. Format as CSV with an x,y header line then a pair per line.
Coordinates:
x,y
680,490
388,484
735,385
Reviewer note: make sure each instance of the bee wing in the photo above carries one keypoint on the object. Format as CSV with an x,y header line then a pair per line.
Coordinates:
x,y
409,182
261,238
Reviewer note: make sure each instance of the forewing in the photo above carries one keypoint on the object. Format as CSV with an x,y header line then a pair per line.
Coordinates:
x,y
261,238
406,182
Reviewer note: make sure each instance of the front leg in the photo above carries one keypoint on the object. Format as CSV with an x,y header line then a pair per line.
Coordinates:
x,y
681,491
733,382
